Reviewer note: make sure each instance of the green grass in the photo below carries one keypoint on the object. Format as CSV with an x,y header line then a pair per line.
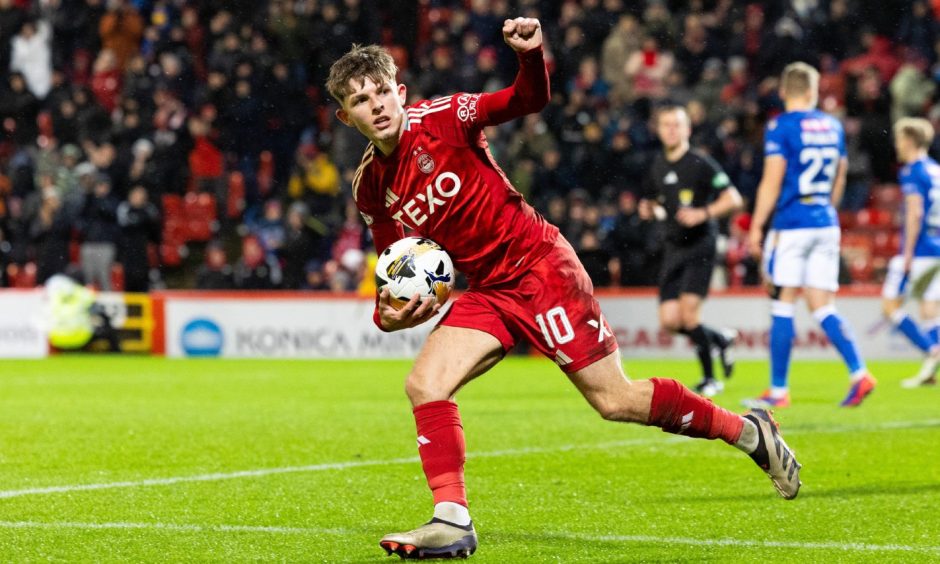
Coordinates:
x,y
548,479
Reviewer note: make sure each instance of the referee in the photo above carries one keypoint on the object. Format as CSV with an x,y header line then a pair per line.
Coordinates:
x,y
689,191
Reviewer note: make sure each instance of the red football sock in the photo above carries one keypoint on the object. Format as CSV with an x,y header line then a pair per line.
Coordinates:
x,y
677,410
442,450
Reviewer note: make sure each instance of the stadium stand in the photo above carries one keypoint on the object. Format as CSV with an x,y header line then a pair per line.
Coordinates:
x,y
218,108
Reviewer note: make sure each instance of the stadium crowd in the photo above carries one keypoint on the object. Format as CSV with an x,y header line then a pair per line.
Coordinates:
x,y
194,143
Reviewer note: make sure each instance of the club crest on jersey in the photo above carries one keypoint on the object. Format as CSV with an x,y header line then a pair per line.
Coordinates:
x,y
425,163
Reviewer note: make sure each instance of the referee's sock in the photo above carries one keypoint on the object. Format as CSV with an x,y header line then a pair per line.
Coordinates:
x,y
716,338
703,348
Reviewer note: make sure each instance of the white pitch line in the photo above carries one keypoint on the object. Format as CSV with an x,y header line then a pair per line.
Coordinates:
x,y
313,468
6,494
640,539
169,527
826,545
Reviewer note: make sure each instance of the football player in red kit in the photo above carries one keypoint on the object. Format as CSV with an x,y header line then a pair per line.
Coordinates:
x,y
428,168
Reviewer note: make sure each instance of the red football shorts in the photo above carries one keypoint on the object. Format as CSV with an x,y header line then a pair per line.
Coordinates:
x,y
552,306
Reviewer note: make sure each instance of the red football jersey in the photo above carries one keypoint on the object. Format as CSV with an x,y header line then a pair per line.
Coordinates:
x,y
442,182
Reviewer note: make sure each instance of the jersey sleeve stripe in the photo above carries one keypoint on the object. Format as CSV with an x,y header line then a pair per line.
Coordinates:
x,y
366,159
416,118
436,105
422,113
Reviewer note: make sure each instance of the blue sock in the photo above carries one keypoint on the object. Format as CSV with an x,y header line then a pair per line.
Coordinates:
x,y
934,332
782,333
911,330
840,336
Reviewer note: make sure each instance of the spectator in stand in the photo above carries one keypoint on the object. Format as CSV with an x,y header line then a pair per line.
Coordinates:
x,y
142,171
206,163
595,258
351,235
918,29
211,87
648,68
911,91
121,29
270,230
106,80
100,232
315,276
631,244
11,20
66,173
140,227
6,250
743,270
285,112
19,108
254,270
621,43
315,181
32,56
301,244
51,233
870,101
215,273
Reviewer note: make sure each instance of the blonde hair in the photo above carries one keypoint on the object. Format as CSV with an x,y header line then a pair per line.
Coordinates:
x,y
799,79
361,62
917,130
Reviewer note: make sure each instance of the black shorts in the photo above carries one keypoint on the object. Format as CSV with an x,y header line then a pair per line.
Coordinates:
x,y
687,269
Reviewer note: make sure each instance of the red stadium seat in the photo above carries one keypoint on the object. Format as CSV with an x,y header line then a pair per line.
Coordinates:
x,y
861,269
887,197
22,277
117,277
199,210
265,173
847,220
236,195
198,230
171,254
863,218
172,205
174,230
882,244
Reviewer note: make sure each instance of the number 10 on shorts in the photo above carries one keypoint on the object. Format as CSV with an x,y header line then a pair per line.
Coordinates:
x,y
554,323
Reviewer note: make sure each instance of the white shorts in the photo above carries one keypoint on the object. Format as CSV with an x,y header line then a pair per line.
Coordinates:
x,y
803,258
895,286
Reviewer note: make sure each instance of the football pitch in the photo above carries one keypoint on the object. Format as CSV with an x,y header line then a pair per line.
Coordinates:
x,y
116,459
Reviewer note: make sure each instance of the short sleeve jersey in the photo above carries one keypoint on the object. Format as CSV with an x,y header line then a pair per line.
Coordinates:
x,y
812,143
922,178
694,180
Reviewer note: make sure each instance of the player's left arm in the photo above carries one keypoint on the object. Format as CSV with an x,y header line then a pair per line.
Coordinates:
x,y
768,192
529,92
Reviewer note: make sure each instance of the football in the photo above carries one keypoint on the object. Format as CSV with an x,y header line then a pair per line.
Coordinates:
x,y
415,265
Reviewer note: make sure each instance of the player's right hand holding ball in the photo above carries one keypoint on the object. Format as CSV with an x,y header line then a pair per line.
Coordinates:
x,y
413,313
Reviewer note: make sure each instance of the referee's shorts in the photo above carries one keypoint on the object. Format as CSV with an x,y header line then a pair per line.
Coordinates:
x,y
687,269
